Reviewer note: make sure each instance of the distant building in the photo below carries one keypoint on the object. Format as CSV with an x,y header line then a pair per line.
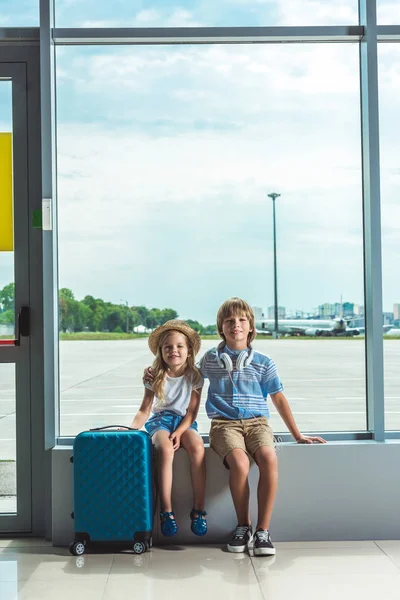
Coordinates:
x,y
348,309
388,318
328,310
258,312
142,329
281,312
396,312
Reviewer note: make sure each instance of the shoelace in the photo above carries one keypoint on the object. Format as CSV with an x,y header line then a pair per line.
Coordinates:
x,y
241,531
263,536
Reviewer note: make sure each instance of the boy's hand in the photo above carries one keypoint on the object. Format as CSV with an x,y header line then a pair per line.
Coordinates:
x,y
176,440
148,376
304,439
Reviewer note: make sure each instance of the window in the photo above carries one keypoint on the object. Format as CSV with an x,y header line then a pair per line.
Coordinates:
x,y
166,157
389,82
190,13
7,305
388,12
19,13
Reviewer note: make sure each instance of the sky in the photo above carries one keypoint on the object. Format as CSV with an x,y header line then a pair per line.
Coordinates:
x,y
166,156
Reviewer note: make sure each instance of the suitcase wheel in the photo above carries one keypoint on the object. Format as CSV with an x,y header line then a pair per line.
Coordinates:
x,y
139,548
80,562
77,548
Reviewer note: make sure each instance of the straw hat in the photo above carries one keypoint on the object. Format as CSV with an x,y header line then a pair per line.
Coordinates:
x,y
175,325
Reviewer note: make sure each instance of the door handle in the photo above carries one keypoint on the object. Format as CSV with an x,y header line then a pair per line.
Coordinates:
x,y
23,327
23,324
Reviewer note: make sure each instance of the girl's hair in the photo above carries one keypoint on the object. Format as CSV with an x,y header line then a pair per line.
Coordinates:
x,y
160,367
232,308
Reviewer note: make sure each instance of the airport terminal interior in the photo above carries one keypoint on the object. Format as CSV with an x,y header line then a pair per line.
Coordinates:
x,y
157,158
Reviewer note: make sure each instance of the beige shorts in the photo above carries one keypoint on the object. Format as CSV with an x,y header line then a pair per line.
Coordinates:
x,y
247,434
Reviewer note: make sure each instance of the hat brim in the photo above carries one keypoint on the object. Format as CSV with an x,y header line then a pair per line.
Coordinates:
x,y
180,326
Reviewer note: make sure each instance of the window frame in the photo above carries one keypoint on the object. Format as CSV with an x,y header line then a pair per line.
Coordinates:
x,y
367,33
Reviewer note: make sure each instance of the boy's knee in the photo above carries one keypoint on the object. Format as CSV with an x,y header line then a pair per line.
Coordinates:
x,y
265,457
238,461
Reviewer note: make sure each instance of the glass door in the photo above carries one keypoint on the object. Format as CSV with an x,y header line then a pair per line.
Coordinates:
x,y
15,463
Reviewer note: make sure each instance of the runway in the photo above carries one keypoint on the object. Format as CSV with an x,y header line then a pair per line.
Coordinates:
x,y
324,381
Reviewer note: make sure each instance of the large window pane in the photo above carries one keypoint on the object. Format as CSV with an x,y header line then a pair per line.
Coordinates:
x,y
19,13
7,305
166,157
388,12
8,472
206,13
389,82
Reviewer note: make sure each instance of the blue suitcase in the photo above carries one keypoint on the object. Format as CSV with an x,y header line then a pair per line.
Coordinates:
x,y
113,496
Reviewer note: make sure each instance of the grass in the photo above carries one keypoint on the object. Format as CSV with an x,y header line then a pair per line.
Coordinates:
x,y
132,336
113,336
107,336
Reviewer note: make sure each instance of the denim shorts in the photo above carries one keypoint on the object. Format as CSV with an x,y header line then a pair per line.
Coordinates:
x,y
166,420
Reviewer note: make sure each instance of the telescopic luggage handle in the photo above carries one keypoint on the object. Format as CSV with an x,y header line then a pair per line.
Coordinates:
x,y
112,426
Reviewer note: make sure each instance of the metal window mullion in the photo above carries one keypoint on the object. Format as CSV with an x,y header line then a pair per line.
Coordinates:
x,y
50,275
372,220
206,35
388,33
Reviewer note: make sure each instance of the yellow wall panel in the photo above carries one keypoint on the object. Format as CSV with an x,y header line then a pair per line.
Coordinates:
x,y
6,198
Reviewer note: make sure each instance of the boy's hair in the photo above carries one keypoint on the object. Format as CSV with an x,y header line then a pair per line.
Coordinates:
x,y
231,308
160,367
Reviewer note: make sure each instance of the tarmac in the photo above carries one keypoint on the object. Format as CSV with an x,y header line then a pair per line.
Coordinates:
x,y
101,384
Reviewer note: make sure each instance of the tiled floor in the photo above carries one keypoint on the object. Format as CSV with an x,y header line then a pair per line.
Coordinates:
x,y
34,570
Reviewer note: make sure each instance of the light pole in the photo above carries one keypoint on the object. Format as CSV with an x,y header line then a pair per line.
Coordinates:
x,y
127,314
274,196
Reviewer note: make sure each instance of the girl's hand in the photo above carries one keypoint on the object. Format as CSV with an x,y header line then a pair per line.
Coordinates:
x,y
176,440
148,376
303,439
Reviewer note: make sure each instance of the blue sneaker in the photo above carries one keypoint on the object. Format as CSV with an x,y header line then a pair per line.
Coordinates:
x,y
168,524
199,524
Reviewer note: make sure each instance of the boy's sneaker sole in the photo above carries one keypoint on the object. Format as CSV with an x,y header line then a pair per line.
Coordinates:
x,y
238,549
264,551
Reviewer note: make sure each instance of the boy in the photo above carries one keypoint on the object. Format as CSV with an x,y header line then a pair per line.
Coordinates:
x,y
240,381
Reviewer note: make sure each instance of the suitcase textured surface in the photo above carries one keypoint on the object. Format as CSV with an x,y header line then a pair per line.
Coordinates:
x,y
113,487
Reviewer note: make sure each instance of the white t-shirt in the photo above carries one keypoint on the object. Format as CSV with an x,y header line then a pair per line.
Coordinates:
x,y
177,392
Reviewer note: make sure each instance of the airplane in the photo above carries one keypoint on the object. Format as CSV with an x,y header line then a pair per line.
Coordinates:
x,y
308,327
393,331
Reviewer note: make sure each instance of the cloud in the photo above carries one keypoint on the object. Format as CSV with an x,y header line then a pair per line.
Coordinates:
x,y
167,155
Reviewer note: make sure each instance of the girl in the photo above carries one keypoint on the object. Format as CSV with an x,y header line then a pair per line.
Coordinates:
x,y
176,389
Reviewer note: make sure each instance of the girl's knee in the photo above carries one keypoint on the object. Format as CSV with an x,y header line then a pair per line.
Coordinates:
x,y
164,448
197,452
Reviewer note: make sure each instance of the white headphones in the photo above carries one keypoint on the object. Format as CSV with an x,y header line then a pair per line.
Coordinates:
x,y
242,361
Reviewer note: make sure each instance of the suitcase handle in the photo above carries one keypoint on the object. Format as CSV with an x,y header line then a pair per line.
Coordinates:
x,y
112,426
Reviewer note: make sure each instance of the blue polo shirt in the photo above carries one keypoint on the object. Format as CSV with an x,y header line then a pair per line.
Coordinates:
x,y
239,394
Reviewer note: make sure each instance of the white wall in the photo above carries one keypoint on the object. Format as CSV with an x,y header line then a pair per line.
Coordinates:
x,y
339,491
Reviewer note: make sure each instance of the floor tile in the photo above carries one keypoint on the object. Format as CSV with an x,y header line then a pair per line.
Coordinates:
x,y
392,549
326,587
52,590
49,567
332,561
182,572
336,544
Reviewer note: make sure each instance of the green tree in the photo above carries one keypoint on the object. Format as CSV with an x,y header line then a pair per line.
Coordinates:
x,y
7,298
98,313
7,317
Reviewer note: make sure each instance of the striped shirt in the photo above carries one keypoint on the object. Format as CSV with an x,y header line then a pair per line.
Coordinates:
x,y
239,394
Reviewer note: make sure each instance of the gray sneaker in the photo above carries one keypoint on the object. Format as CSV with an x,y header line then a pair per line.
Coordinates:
x,y
240,539
263,545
